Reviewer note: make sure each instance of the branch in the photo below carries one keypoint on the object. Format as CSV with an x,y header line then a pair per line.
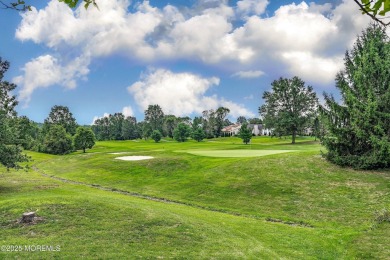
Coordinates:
x,y
363,8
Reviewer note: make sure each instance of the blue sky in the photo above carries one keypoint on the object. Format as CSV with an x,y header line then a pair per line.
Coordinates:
x,y
186,56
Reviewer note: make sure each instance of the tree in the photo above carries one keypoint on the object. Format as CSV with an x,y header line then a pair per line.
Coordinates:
x,y
129,128
374,8
220,115
241,120
58,141
170,122
209,122
21,5
155,117
10,151
156,136
245,133
289,107
182,132
84,138
60,115
255,121
115,126
198,134
358,130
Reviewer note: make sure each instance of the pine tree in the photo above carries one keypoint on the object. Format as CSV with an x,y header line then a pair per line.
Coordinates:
x,y
359,128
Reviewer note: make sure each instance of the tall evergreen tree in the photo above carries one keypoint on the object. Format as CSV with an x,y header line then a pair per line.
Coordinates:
x,y
10,151
359,128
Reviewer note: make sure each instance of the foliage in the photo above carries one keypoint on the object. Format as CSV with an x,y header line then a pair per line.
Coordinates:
x,y
170,122
154,116
115,126
289,107
245,133
359,128
10,150
220,116
209,123
129,128
84,138
374,8
22,5
156,136
198,134
241,120
255,121
182,132
58,141
60,115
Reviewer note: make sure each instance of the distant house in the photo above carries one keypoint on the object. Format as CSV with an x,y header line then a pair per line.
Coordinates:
x,y
231,130
257,129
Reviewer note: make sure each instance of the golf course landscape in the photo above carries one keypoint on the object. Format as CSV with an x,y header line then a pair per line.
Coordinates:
x,y
215,199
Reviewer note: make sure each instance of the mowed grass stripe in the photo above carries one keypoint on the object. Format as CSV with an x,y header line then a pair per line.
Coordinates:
x,y
236,153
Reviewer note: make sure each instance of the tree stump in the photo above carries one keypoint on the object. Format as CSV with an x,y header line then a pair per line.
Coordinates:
x,y
28,217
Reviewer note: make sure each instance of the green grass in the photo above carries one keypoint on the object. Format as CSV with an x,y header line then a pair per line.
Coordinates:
x,y
181,205
236,153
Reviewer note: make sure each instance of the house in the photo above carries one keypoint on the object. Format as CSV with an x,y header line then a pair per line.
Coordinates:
x,y
231,130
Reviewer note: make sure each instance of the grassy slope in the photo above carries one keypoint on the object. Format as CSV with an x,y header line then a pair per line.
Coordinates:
x,y
297,187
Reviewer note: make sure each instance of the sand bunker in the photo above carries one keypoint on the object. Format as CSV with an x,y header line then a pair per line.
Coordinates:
x,y
119,153
134,158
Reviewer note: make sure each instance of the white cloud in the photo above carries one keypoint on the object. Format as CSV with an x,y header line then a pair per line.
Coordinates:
x,y
249,7
249,74
45,71
180,94
304,39
127,111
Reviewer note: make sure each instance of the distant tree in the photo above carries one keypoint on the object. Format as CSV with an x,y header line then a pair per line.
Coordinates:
x,y
209,123
58,141
358,130
115,126
186,120
154,116
220,115
255,121
197,122
26,132
144,129
170,122
129,128
182,132
198,134
84,138
101,128
289,107
245,133
10,149
241,120
156,136
60,115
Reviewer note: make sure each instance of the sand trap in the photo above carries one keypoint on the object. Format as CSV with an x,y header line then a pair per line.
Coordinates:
x,y
134,158
119,153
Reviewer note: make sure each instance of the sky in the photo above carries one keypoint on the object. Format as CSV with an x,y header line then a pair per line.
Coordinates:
x,y
186,56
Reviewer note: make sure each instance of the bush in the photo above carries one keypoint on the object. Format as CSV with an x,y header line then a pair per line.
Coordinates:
x,y
156,136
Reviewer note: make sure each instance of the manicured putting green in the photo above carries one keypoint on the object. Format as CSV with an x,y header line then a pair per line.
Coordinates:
x,y
236,153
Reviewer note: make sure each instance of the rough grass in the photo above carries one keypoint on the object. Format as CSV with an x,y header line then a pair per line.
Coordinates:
x,y
292,205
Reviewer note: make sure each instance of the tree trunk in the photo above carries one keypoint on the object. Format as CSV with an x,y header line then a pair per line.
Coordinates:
x,y
293,136
84,149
